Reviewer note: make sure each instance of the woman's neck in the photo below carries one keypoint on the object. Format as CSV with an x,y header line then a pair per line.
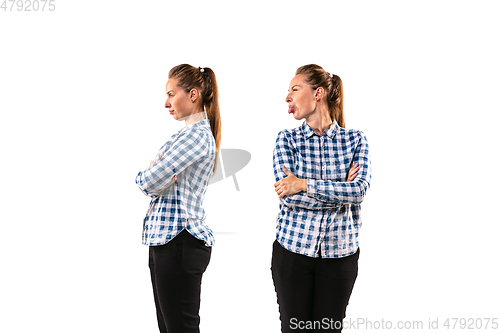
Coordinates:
x,y
320,120
200,115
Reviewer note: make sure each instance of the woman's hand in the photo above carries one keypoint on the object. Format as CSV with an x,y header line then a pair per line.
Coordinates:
x,y
159,158
174,179
290,184
353,172
169,184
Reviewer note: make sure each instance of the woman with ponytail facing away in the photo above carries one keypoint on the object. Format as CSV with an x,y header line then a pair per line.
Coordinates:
x,y
174,228
322,173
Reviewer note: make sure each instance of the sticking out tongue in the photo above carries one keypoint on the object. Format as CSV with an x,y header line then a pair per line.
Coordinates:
x,y
291,109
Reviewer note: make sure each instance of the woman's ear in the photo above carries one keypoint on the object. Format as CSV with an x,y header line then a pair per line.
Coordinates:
x,y
319,93
193,95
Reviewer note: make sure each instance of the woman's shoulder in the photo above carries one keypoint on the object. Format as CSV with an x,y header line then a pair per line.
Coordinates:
x,y
198,129
351,137
350,133
290,133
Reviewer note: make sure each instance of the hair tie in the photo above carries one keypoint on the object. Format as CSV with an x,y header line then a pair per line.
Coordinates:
x,y
201,69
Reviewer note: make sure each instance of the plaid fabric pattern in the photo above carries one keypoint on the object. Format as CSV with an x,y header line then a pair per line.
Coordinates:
x,y
328,214
189,154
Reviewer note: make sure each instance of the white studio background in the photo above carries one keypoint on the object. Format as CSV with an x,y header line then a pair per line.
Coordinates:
x,y
82,94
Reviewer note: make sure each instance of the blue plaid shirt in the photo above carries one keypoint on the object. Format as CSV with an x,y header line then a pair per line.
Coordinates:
x,y
189,154
327,216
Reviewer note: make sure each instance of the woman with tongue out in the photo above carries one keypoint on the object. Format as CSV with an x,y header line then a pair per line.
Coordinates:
x,y
322,173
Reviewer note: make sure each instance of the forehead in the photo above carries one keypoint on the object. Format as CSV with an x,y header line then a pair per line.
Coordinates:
x,y
298,80
171,85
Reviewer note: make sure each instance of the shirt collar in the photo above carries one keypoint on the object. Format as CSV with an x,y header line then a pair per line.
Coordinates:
x,y
204,123
331,131
194,118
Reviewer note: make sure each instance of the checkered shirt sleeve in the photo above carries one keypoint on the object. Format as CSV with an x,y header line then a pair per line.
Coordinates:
x,y
188,148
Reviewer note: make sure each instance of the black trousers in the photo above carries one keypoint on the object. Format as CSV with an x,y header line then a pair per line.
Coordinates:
x,y
313,293
176,271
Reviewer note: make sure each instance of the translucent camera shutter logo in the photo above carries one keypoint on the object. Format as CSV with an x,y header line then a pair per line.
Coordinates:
x,y
229,163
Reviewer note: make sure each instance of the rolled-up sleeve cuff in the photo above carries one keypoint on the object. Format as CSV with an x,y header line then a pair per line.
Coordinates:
x,y
311,187
138,181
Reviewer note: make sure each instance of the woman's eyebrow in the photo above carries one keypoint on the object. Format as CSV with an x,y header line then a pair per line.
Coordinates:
x,y
294,87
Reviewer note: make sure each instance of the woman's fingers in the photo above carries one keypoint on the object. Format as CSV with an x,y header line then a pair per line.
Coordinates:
x,y
284,190
281,189
353,172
